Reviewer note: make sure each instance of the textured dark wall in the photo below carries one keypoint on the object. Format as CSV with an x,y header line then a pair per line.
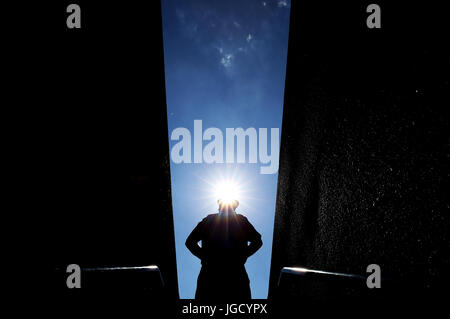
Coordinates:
x,y
365,149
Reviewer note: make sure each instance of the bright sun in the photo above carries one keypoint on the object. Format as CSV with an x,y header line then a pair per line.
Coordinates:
x,y
226,185
227,191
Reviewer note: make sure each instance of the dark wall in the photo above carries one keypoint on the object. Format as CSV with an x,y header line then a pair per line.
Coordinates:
x,y
92,104
364,147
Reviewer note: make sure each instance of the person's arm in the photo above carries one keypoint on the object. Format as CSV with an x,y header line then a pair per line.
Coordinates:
x,y
254,238
255,244
192,241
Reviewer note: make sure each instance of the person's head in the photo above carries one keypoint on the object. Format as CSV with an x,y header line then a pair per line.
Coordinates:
x,y
227,206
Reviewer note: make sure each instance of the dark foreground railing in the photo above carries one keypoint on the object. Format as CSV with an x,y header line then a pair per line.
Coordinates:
x,y
334,294
141,277
137,278
312,284
317,274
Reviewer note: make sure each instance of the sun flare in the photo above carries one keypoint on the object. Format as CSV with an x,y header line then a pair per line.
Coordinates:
x,y
227,191
227,186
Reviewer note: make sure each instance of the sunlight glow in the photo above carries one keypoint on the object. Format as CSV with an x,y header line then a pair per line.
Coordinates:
x,y
227,191
228,185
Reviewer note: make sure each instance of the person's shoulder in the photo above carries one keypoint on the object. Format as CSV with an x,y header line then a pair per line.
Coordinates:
x,y
210,217
242,217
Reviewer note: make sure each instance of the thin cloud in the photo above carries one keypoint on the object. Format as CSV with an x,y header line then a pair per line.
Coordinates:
x,y
226,60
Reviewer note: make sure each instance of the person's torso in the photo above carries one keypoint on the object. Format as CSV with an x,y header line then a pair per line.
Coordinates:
x,y
225,239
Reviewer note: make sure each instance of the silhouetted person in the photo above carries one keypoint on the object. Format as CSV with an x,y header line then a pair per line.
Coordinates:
x,y
225,248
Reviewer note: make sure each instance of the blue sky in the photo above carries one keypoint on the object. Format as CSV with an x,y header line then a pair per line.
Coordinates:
x,y
225,64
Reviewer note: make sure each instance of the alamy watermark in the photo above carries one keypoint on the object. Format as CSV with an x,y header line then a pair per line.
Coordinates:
x,y
74,279
374,279
236,145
